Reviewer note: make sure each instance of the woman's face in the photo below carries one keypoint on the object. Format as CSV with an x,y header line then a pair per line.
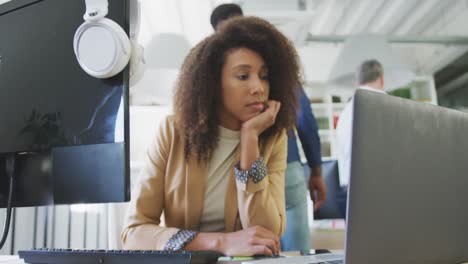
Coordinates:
x,y
244,87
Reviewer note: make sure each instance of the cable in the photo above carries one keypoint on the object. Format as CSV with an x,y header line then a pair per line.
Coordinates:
x,y
10,170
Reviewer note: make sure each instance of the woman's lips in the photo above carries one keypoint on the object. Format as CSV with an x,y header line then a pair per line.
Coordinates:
x,y
257,106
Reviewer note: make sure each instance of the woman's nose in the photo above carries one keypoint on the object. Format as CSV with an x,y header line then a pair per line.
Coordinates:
x,y
257,86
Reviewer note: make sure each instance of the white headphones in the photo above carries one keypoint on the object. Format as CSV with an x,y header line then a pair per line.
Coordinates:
x,y
102,47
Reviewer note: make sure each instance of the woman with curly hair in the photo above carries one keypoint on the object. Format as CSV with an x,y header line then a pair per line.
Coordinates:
x,y
216,168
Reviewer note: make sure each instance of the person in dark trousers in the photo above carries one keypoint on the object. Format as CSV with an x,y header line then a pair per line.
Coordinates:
x,y
297,233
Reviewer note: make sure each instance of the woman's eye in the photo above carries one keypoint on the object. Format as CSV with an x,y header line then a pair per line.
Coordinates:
x,y
243,77
264,77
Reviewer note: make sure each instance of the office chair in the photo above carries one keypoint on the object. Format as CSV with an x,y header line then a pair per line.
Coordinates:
x,y
333,206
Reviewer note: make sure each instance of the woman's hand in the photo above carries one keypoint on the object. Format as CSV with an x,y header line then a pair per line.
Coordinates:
x,y
263,121
250,131
251,241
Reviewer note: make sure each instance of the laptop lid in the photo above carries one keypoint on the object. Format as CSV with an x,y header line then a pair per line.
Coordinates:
x,y
408,196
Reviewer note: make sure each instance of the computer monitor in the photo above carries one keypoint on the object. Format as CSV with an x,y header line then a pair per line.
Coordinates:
x,y
407,192
67,132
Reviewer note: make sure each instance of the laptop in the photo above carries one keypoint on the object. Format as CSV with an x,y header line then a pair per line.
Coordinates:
x,y
408,191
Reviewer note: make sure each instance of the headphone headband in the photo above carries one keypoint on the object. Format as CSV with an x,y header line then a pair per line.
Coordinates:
x,y
95,10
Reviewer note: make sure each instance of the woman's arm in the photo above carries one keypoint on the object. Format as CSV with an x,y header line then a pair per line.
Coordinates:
x,y
142,226
260,186
247,242
261,199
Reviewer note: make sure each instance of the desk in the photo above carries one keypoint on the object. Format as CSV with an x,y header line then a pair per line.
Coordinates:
x,y
288,254
8,259
292,253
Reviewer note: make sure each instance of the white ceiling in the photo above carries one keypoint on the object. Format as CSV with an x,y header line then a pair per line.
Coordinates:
x,y
388,17
414,18
190,18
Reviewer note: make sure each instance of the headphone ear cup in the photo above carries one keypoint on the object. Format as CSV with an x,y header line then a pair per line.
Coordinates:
x,y
102,48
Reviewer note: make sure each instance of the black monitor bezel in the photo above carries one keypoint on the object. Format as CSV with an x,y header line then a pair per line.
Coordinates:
x,y
14,5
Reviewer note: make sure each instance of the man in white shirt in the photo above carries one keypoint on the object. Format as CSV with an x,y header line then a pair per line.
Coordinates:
x,y
370,76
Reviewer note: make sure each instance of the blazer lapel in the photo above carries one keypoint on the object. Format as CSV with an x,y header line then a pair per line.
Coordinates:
x,y
195,176
230,203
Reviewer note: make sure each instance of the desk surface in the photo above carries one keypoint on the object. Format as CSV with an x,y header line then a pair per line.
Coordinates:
x,y
239,260
15,259
289,254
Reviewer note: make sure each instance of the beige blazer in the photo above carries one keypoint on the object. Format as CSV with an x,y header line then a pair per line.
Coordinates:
x,y
174,188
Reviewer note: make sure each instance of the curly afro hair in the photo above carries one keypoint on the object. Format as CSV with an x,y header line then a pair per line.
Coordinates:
x,y
198,90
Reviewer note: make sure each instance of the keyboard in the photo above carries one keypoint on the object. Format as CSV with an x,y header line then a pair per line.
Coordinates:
x,y
87,256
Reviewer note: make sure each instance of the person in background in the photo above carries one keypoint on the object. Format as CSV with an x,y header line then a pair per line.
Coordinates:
x,y
216,168
370,76
297,234
221,13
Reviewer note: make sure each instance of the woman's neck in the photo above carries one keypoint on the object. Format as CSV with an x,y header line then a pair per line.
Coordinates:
x,y
230,123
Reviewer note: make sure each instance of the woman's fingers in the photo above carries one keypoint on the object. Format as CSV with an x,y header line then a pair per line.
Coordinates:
x,y
278,106
265,233
274,106
261,250
273,110
254,240
270,243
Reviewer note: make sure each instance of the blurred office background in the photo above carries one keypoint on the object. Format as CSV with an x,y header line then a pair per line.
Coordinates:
x,y
423,45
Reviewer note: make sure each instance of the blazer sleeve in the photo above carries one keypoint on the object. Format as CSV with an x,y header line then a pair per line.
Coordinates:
x,y
263,203
142,228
